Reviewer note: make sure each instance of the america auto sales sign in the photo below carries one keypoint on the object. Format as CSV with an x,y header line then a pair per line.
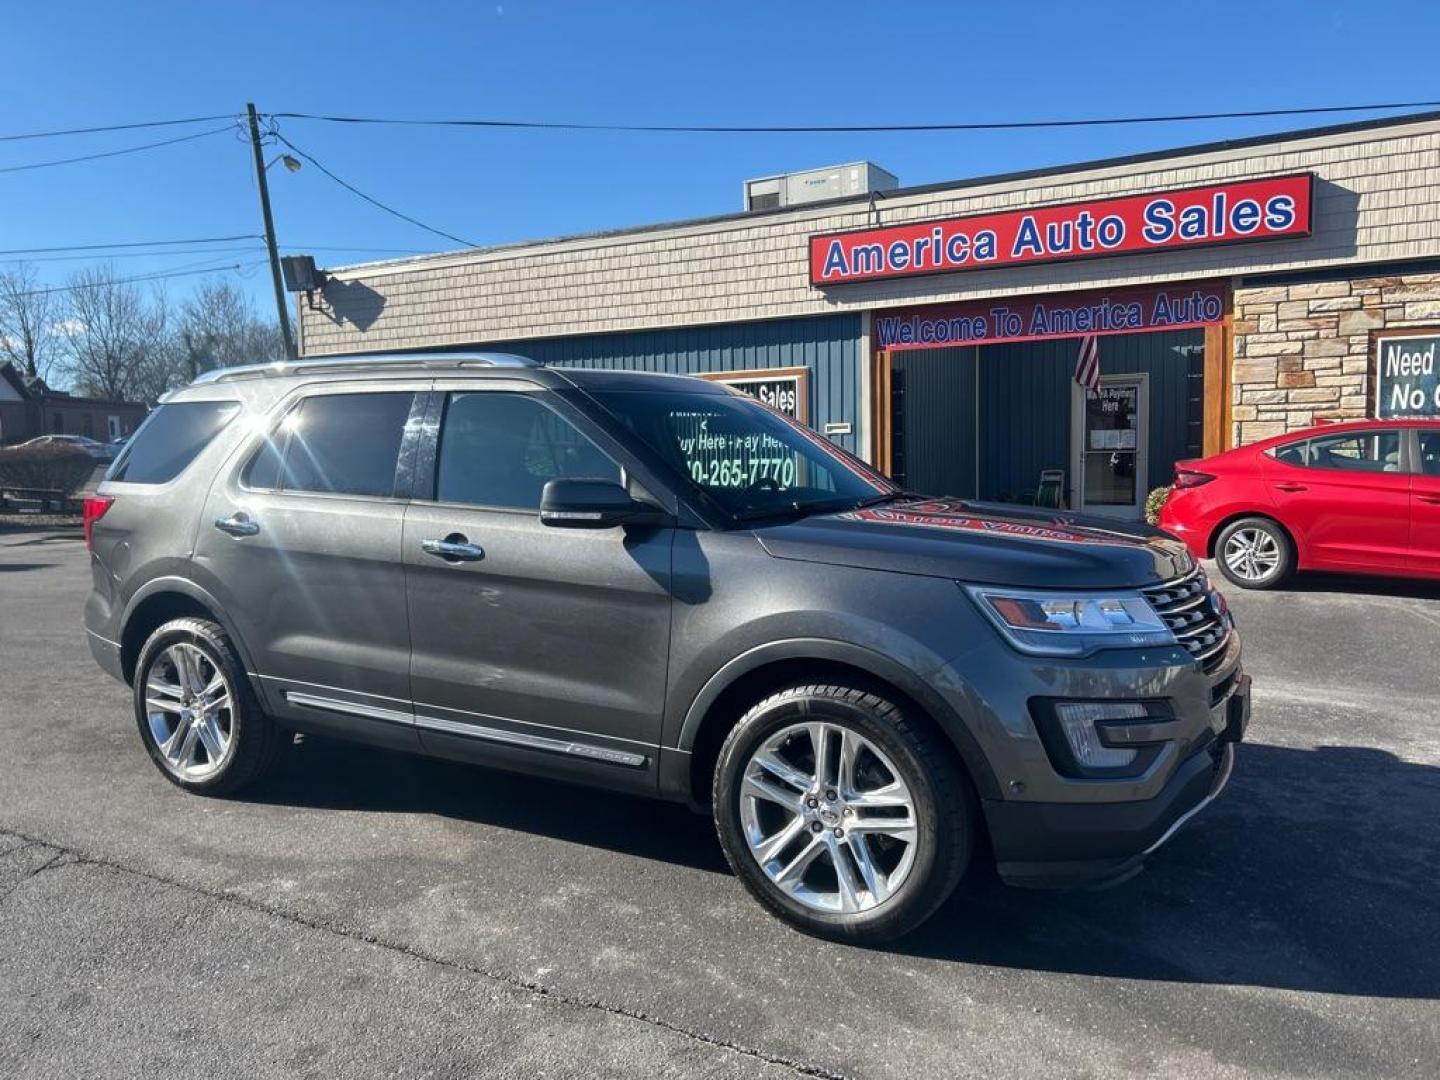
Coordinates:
x,y
1242,211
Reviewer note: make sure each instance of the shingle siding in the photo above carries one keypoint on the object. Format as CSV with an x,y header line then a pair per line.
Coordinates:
x,y
1376,202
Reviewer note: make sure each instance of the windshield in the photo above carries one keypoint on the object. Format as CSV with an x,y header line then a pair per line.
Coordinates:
x,y
749,459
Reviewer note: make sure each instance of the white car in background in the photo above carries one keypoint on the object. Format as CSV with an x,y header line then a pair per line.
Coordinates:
x,y
98,450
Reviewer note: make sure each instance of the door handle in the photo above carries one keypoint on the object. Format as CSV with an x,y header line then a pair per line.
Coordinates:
x,y
454,548
1433,500
238,524
1290,486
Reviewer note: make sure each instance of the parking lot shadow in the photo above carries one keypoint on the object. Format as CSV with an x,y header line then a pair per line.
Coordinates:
x,y
334,775
1362,585
1317,870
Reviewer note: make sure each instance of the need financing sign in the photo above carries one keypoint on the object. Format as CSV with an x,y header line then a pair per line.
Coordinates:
x,y
1273,208
1407,376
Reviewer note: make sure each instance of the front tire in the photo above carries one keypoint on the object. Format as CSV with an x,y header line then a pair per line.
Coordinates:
x,y
842,815
197,713
1255,553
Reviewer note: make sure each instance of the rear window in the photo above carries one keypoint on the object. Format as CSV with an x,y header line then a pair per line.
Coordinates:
x,y
169,439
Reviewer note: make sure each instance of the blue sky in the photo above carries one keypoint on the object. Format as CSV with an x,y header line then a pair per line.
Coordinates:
x,y
84,63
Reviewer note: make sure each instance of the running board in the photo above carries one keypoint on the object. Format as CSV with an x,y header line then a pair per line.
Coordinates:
x,y
532,742
625,758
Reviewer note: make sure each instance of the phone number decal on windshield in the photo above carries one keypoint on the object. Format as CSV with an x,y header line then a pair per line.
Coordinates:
x,y
737,461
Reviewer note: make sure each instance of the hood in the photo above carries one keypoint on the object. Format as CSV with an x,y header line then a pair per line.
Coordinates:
x,y
982,543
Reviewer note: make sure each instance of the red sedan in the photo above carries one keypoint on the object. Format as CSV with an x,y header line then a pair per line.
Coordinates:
x,y
1361,497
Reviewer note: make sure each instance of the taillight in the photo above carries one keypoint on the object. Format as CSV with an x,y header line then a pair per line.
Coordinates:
x,y
1185,478
94,509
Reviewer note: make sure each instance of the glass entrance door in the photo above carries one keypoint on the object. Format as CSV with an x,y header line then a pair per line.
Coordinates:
x,y
1111,446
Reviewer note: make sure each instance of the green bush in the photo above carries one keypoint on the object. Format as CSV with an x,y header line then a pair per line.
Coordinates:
x,y
1153,502
49,468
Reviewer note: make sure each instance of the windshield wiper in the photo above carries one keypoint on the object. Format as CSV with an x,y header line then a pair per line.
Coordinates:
x,y
889,496
827,506
804,509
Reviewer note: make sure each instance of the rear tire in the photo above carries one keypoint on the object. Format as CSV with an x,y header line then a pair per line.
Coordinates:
x,y
197,712
881,832
1255,553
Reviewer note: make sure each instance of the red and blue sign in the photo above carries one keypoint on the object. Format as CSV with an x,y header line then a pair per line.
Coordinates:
x,y
1243,211
1035,317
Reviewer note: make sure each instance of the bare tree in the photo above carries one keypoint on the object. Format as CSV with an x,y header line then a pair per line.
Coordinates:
x,y
114,341
217,327
27,322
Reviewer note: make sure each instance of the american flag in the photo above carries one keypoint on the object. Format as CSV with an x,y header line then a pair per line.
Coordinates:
x,y
1087,364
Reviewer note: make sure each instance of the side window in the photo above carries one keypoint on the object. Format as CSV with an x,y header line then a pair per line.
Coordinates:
x,y
170,438
340,444
499,448
1430,453
1291,453
1358,451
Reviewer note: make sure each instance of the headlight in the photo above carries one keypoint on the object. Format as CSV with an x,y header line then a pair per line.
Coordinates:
x,y
1048,623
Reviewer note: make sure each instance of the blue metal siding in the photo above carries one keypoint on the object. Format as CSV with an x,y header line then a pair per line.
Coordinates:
x,y
829,346
932,446
1025,415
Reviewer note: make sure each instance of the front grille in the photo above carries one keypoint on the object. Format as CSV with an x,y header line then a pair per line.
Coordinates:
x,y
1191,611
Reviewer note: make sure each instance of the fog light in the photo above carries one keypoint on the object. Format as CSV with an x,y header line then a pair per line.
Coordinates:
x,y
1078,720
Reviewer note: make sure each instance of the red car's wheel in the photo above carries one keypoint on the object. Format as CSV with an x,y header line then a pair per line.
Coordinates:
x,y
1255,553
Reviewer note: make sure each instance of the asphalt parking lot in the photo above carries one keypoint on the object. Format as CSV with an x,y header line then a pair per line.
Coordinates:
x,y
366,914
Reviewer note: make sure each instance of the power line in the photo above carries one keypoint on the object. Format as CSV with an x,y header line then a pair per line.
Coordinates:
x,y
112,153
206,240
131,244
796,129
108,251
119,127
131,255
370,199
133,280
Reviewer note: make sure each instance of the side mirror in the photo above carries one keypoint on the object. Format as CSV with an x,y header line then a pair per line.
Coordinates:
x,y
592,504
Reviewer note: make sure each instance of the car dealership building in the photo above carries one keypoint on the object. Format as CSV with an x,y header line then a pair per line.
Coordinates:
x,y
1233,291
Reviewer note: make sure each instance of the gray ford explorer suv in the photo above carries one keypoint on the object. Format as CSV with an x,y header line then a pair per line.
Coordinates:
x,y
657,585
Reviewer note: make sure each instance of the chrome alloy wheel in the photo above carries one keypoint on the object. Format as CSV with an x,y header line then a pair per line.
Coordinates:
x,y
1251,554
190,709
828,818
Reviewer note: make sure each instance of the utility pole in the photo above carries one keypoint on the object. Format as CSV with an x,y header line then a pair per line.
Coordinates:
x,y
260,180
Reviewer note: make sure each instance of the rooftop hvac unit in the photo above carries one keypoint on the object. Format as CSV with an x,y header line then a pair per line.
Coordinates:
x,y
815,185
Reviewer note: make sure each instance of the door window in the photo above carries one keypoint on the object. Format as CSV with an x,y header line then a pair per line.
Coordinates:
x,y
338,444
1112,445
1430,453
1291,453
499,449
1356,451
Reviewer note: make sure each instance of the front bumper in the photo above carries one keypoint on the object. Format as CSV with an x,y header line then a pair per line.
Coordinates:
x,y
1059,845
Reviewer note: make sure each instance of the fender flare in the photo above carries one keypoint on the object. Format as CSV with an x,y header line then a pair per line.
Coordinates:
x,y
188,588
867,660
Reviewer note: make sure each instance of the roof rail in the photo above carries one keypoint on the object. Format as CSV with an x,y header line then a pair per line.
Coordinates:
x,y
362,362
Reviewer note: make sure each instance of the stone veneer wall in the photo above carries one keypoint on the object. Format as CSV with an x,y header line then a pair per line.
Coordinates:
x,y
1302,352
